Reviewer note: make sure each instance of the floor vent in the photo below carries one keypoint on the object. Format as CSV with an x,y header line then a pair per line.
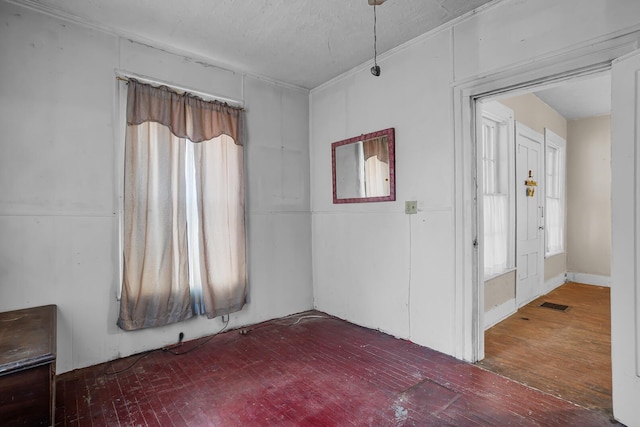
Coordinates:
x,y
554,306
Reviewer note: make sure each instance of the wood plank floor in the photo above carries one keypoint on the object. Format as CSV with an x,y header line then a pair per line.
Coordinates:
x,y
305,371
564,353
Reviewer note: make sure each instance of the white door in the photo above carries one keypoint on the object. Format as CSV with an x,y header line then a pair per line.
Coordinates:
x,y
529,224
625,239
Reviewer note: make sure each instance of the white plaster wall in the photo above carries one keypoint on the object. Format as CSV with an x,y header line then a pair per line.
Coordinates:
x,y
58,185
589,196
534,113
517,32
371,261
499,290
373,264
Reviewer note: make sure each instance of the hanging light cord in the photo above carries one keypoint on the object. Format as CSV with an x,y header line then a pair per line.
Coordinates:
x,y
375,36
375,70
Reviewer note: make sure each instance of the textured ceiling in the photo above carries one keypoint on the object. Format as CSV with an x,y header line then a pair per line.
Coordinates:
x,y
301,42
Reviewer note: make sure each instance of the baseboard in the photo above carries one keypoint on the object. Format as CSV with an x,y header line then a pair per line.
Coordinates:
x,y
552,283
590,279
499,313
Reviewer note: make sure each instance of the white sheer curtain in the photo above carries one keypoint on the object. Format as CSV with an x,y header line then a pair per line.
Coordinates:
x,y
554,226
495,201
376,177
376,166
155,282
496,233
220,243
554,216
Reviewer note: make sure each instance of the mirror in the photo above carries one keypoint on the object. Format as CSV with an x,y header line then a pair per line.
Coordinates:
x,y
364,168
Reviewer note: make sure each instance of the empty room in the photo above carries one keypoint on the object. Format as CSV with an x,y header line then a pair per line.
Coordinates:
x,y
272,213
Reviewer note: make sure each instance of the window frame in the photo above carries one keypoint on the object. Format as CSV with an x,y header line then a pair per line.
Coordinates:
x,y
501,114
552,139
120,132
119,111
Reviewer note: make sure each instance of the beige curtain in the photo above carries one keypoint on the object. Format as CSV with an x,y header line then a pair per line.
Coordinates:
x,y
221,239
378,147
186,115
156,283
376,166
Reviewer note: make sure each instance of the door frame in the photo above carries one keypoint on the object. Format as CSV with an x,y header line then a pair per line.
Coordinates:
x,y
586,59
625,204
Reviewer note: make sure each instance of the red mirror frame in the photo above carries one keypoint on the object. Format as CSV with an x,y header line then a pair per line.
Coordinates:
x,y
390,134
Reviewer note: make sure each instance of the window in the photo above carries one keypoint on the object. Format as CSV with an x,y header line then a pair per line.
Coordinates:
x,y
555,150
497,189
183,236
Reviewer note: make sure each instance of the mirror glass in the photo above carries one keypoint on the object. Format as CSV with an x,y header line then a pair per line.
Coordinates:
x,y
364,169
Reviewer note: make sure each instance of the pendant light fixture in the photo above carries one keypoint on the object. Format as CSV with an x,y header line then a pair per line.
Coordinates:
x,y
375,70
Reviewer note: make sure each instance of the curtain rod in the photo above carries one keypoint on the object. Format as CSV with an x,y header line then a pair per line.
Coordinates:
x,y
125,76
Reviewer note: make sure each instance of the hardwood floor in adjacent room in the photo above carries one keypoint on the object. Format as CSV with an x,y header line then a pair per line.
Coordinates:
x,y
564,353
306,370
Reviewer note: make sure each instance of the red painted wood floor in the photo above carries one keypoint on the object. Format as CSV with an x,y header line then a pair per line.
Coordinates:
x,y
305,371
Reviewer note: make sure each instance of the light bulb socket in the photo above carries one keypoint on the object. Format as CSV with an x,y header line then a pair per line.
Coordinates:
x,y
375,70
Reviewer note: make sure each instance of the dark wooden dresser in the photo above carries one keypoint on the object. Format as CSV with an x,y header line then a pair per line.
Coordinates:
x,y
28,366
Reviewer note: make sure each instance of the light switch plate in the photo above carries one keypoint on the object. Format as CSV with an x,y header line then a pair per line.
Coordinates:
x,y
411,207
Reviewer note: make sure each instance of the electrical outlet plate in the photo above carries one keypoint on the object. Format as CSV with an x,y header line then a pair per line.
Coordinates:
x,y
411,207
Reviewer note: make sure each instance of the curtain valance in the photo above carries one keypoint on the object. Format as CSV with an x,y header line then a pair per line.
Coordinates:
x,y
377,147
187,116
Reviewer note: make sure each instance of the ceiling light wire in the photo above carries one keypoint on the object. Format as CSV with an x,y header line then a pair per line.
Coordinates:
x,y
375,36
375,70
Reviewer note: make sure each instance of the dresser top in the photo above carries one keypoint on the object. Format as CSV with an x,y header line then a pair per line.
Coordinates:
x,y
27,338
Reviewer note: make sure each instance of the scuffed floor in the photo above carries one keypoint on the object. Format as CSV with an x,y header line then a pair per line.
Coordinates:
x,y
304,371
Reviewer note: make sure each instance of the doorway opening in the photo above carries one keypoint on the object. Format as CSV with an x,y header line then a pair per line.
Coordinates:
x,y
544,178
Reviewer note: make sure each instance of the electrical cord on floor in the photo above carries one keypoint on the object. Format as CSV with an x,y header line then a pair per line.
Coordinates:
x,y
176,353
139,358
311,316
164,349
169,350
245,331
